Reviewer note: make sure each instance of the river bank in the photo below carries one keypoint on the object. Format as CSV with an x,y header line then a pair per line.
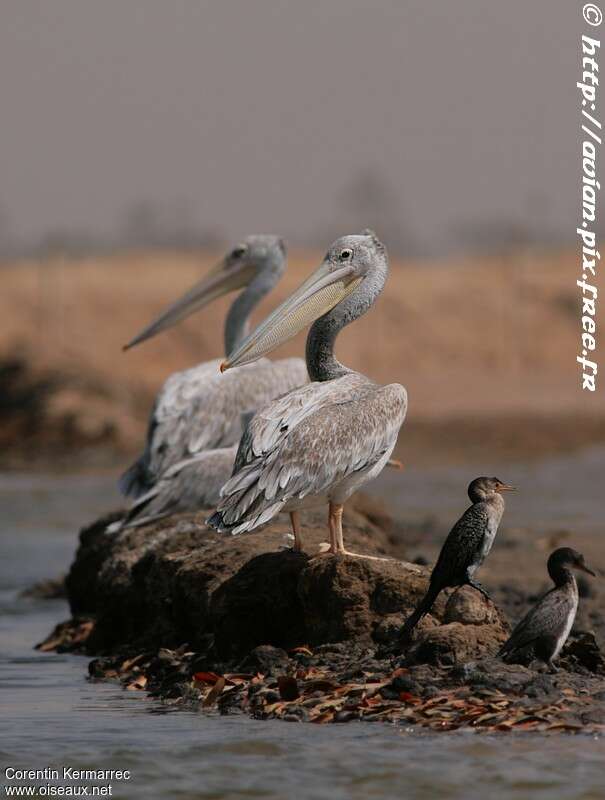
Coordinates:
x,y
51,706
201,620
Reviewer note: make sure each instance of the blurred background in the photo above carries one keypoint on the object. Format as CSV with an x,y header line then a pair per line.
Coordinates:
x,y
140,139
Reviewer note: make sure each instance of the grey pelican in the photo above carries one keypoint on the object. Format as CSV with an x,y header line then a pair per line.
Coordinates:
x,y
199,409
466,547
319,443
544,630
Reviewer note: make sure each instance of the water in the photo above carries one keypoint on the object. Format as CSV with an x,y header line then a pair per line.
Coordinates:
x,y
51,716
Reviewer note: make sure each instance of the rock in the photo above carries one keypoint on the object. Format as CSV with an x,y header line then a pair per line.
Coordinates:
x,y
403,683
50,589
583,649
493,674
470,607
346,598
266,659
595,716
82,578
176,582
259,603
456,642
540,686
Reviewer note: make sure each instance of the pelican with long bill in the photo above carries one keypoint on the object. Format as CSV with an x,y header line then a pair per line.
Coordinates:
x,y
199,410
317,444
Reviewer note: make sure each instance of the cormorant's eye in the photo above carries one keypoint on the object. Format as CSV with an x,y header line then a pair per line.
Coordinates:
x,y
238,251
346,254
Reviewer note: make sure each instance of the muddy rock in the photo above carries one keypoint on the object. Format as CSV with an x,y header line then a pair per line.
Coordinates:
x,y
349,598
470,607
471,627
177,582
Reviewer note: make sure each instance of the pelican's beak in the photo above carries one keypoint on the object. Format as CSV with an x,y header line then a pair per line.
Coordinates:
x,y
318,294
584,568
504,487
223,278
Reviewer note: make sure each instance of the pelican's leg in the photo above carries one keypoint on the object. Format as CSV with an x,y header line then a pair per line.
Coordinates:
x,y
295,521
329,547
336,516
333,534
336,521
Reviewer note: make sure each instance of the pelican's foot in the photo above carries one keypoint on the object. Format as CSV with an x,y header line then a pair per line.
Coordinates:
x,y
362,555
326,549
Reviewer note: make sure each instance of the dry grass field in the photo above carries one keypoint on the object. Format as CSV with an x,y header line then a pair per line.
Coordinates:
x,y
484,345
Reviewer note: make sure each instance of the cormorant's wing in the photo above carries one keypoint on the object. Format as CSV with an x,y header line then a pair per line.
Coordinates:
x,y
462,544
546,618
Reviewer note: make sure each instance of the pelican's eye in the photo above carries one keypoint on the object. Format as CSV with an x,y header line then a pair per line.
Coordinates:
x,y
346,254
238,251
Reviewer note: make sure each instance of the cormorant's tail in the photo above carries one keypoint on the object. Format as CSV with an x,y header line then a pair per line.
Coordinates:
x,y
136,481
507,650
421,610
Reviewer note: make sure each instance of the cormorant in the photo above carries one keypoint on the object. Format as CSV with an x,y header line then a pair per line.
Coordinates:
x,y
544,630
466,547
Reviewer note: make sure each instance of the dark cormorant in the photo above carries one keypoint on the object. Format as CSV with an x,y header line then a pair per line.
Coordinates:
x,y
544,630
466,547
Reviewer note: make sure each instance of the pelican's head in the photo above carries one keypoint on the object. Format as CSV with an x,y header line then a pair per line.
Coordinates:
x,y
260,256
483,488
349,262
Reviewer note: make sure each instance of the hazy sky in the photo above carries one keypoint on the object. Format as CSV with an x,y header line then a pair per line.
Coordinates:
x,y
259,115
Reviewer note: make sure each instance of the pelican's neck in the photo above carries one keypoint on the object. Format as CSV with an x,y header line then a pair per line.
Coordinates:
x,y
237,323
322,364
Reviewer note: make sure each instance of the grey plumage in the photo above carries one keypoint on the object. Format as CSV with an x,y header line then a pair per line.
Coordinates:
x,y
467,546
319,443
189,485
199,409
545,628
310,444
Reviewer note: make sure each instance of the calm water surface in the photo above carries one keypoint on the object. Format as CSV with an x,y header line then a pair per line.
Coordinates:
x,y
51,716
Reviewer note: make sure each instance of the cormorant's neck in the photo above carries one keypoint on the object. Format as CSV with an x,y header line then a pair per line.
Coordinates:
x,y
237,323
322,364
561,575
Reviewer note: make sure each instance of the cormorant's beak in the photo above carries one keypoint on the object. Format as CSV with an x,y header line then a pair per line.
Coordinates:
x,y
223,278
318,294
504,487
584,568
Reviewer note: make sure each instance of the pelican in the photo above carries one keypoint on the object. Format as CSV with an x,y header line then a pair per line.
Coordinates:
x,y
199,410
321,442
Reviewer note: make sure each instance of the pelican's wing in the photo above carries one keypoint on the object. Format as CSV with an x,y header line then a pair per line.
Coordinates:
x,y
190,485
273,421
199,409
306,443
545,619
